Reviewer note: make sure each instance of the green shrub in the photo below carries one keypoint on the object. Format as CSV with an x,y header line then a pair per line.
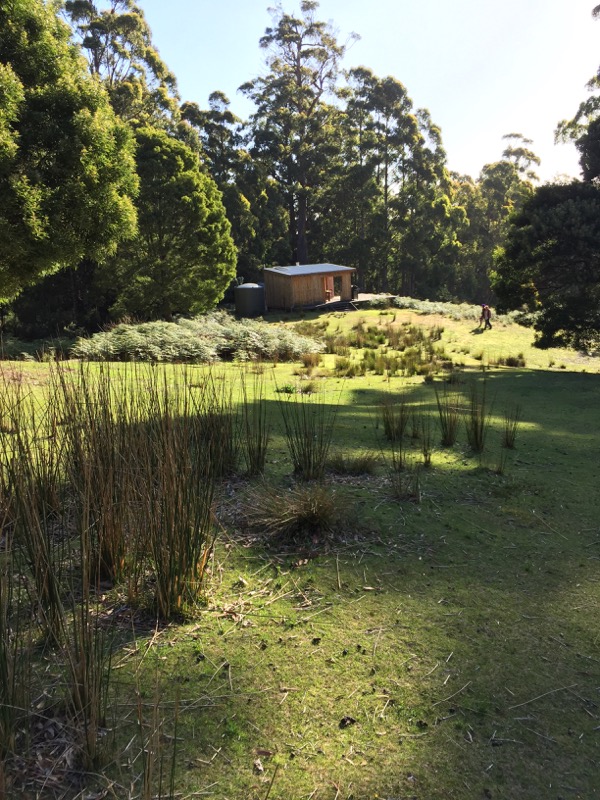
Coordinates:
x,y
216,336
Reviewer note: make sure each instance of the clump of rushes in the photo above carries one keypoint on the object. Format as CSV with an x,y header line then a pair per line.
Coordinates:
x,y
405,483
308,422
426,438
478,418
178,466
255,428
98,447
395,415
217,426
14,673
306,511
512,419
40,551
361,464
449,411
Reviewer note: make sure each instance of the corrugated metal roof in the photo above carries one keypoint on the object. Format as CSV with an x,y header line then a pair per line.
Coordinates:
x,y
309,269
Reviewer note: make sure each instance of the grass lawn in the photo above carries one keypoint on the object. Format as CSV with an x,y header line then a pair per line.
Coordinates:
x,y
445,648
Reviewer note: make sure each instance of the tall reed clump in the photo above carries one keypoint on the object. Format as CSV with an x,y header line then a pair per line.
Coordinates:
x,y
405,483
477,421
449,412
87,657
308,422
255,427
178,462
217,424
33,465
15,679
425,428
395,415
98,449
512,420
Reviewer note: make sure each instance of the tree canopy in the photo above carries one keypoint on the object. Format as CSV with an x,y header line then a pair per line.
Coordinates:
x,y
67,175
551,263
331,166
183,257
118,43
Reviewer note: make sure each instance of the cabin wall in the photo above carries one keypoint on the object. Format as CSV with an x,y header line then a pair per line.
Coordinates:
x,y
346,293
295,291
308,290
278,291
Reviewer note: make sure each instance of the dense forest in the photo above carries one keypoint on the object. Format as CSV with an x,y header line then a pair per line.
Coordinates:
x,y
121,201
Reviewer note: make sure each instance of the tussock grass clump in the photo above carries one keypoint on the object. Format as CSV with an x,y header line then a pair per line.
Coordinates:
x,y
306,512
404,478
510,361
311,360
314,329
337,344
346,367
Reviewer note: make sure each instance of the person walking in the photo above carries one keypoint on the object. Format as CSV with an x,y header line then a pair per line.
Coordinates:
x,y
486,316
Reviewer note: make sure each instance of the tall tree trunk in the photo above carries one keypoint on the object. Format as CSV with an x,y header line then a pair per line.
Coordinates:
x,y
301,242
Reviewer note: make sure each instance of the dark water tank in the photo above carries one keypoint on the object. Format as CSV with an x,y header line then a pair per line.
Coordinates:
x,y
249,300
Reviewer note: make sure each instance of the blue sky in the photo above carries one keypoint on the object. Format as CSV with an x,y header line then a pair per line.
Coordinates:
x,y
483,69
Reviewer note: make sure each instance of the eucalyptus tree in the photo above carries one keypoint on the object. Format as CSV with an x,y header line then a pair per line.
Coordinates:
x,y
584,128
251,197
519,153
118,43
501,190
470,280
66,162
290,129
425,224
345,228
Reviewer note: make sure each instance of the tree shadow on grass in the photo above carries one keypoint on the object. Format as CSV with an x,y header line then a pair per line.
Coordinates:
x,y
449,654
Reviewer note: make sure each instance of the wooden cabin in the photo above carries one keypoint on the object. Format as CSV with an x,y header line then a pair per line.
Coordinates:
x,y
307,285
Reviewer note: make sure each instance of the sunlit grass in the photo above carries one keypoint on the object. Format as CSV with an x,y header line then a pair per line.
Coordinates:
x,y
444,649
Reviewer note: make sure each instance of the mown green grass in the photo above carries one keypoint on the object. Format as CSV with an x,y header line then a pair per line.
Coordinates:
x,y
460,635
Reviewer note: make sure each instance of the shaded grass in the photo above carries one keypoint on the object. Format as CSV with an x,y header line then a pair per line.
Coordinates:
x,y
459,635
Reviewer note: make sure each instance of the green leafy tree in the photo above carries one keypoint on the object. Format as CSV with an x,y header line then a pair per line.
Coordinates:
x,y
384,207
473,259
251,196
488,206
290,129
118,43
551,263
584,128
183,258
66,162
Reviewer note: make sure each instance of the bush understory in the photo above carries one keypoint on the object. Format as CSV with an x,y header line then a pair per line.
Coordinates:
x,y
216,336
378,614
